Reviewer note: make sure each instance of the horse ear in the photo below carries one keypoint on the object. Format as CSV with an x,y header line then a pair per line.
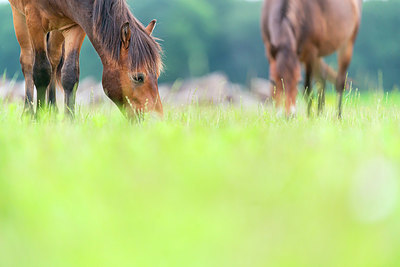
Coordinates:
x,y
126,35
151,26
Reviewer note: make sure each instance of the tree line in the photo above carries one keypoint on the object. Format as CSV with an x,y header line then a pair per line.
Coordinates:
x,y
202,36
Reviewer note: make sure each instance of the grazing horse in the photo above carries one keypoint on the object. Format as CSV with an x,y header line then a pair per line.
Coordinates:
x,y
304,31
51,33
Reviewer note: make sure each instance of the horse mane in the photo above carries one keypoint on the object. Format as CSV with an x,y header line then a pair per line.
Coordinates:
x,y
284,9
108,18
280,28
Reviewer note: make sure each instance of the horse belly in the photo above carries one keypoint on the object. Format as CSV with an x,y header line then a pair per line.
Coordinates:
x,y
338,28
330,46
333,42
51,17
60,24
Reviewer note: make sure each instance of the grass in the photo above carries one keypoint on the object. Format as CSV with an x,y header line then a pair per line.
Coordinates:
x,y
206,186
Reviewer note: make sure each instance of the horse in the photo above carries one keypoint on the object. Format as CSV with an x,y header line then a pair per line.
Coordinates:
x,y
50,34
297,32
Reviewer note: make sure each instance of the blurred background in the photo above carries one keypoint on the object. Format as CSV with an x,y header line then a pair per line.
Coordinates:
x,y
206,186
205,36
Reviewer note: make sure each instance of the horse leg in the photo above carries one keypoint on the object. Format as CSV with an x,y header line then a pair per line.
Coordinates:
x,y
321,97
41,66
322,73
344,58
70,72
26,58
308,87
54,50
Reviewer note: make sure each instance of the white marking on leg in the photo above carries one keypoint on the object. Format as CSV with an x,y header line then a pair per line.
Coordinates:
x,y
293,110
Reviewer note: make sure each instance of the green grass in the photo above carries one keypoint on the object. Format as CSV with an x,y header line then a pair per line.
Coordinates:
x,y
206,186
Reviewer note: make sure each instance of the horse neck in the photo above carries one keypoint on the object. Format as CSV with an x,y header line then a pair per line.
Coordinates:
x,y
82,15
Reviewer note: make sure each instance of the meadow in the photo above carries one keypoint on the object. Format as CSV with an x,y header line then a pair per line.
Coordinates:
x,y
205,186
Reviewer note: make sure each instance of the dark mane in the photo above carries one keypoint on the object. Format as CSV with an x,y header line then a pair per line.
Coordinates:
x,y
108,18
284,9
279,27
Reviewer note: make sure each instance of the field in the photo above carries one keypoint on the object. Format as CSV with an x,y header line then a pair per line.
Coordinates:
x,y
206,186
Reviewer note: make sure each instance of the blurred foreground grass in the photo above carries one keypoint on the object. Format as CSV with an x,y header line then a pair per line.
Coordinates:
x,y
205,186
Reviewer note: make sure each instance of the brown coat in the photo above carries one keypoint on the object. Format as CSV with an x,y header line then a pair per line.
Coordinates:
x,y
130,56
303,31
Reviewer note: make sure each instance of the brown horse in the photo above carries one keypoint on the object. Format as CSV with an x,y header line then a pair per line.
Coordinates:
x,y
130,55
304,31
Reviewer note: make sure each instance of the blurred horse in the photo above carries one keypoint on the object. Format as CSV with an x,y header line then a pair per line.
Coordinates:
x,y
51,33
304,31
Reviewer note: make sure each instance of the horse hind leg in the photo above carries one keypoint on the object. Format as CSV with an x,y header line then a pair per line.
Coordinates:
x,y
311,65
70,71
26,58
344,58
55,48
323,73
321,97
308,87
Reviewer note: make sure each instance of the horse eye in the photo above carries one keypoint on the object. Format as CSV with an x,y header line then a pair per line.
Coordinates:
x,y
138,78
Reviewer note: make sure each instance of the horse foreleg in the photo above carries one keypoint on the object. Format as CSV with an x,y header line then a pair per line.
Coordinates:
x,y
26,58
344,58
54,50
70,72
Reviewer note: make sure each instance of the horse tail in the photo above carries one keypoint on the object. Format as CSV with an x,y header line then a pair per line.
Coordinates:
x,y
327,72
